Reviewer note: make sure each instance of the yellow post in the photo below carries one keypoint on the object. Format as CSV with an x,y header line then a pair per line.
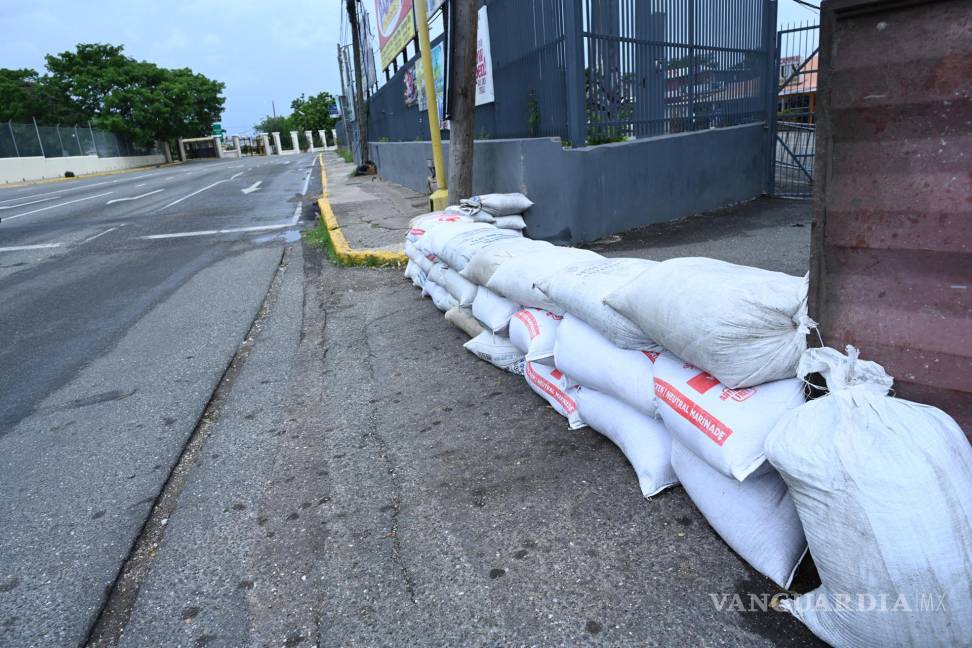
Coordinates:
x,y
440,198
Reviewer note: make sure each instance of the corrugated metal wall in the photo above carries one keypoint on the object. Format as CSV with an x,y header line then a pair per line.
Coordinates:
x,y
892,265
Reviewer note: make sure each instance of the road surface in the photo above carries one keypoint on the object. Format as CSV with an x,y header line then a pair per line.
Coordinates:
x,y
125,297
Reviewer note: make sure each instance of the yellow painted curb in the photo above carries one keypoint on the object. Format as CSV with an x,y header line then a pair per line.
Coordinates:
x,y
344,253
30,183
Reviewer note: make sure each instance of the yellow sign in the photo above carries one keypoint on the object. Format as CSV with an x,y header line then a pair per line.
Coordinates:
x,y
396,28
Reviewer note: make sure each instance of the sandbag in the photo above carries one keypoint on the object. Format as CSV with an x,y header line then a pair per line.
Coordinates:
x,y
644,440
884,489
724,427
498,204
415,274
533,331
554,387
513,222
421,259
580,289
492,310
484,263
587,357
454,245
515,278
440,297
743,325
463,320
756,518
497,350
422,223
463,290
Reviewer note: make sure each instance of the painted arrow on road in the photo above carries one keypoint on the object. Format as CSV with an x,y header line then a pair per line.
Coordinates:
x,y
118,200
253,187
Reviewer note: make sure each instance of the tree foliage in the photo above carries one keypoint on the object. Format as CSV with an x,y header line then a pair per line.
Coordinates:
x,y
97,83
308,114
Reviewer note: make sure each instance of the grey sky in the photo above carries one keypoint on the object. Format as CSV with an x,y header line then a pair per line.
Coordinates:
x,y
260,49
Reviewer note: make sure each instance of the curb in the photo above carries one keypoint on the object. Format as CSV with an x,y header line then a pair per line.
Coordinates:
x,y
344,253
30,183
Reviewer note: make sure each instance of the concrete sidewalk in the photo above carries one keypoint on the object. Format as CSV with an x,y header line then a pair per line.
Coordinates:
x,y
373,214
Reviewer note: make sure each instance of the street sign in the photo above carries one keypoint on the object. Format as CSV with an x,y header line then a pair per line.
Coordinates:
x,y
217,130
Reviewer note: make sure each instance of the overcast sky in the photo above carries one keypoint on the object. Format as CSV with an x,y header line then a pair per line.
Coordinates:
x,y
262,50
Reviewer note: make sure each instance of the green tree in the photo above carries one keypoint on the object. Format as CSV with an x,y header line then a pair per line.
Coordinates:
x,y
313,113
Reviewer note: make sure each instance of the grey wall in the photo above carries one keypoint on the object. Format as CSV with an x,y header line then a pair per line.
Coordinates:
x,y
586,193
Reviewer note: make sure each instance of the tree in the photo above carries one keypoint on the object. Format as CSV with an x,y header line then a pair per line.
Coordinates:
x,y
462,101
313,113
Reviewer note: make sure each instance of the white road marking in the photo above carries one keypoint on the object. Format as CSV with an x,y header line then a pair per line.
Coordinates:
x,y
198,191
118,200
253,187
91,238
236,175
32,202
70,202
140,185
39,246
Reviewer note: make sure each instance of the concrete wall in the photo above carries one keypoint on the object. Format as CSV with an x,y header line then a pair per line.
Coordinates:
x,y
39,168
586,193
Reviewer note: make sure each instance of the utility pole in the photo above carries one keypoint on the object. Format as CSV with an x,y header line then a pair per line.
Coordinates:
x,y
361,112
462,99
344,96
438,199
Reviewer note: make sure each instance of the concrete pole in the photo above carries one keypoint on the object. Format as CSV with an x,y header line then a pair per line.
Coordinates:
x,y
236,145
165,151
219,147
310,140
266,144
182,150
462,98
321,134
276,143
334,138
295,141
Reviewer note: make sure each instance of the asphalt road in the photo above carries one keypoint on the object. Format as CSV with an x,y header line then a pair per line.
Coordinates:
x,y
125,298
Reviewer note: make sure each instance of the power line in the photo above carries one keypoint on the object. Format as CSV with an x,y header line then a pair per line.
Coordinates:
x,y
807,4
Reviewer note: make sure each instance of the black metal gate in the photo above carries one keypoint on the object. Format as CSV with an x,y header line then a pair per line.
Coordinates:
x,y
793,136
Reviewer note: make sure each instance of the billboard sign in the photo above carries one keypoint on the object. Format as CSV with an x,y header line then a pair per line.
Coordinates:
x,y
395,28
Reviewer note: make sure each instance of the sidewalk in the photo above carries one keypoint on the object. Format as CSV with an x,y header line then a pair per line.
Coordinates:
x,y
373,214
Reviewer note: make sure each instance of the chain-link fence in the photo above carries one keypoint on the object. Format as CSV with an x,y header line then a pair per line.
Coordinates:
x,y
34,140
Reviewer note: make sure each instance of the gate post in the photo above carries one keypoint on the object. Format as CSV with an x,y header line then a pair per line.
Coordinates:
x,y
574,48
266,144
771,44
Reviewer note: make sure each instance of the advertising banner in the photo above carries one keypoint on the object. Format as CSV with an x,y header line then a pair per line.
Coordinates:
x,y
484,61
395,27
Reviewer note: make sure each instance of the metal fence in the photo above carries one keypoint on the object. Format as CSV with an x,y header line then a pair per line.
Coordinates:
x,y
593,71
33,140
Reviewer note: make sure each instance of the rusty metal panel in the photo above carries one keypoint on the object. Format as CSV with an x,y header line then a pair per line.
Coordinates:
x,y
891,266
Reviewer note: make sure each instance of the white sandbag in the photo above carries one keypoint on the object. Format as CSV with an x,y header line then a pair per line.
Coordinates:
x,y
484,263
422,223
440,297
586,356
756,518
499,204
415,274
514,222
497,350
556,388
463,290
743,325
515,278
580,289
643,440
884,489
463,320
725,427
421,259
533,331
455,244
492,310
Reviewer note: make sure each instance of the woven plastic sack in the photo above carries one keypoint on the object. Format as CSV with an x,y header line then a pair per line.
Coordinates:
x,y
580,289
884,489
743,325
498,204
463,320
421,259
484,263
533,331
587,357
461,289
454,245
724,427
513,222
440,296
643,440
492,310
497,350
422,223
415,274
756,518
515,278
554,387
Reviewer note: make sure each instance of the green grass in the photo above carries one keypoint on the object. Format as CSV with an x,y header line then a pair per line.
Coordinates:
x,y
345,155
320,238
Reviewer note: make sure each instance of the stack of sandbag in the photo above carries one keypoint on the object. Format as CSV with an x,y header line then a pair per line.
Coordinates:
x,y
883,487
